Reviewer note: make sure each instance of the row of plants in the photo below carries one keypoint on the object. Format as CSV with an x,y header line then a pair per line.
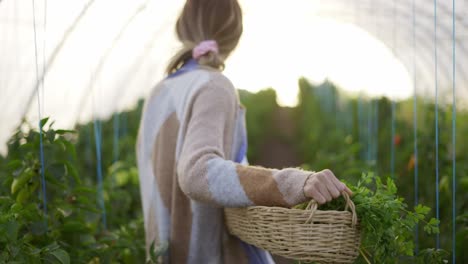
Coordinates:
x,y
65,225
354,134
331,134
72,228
386,221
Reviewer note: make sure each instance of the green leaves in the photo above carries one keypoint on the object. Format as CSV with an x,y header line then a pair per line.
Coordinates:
x,y
432,227
431,255
391,187
71,229
421,210
21,180
386,224
9,231
74,227
43,122
50,135
61,256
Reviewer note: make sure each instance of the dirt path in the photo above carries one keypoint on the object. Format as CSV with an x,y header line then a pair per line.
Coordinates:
x,y
277,151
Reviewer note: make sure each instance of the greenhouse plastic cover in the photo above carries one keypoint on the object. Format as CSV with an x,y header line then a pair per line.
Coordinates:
x,y
103,56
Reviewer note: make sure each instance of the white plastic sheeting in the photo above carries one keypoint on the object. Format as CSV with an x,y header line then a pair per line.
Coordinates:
x,y
101,56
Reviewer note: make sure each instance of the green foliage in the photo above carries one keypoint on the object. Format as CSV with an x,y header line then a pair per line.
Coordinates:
x,y
386,223
71,229
334,132
260,107
329,136
431,255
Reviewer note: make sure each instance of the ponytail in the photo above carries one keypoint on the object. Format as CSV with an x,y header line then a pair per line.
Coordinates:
x,y
205,55
204,20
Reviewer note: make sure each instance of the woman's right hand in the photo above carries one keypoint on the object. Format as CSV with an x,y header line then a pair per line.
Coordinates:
x,y
323,186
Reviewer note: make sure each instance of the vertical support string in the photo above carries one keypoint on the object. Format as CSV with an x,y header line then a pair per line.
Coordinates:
x,y
41,145
371,109
376,135
369,132
360,126
415,131
124,125
352,117
44,54
98,140
335,108
436,121
392,142
116,136
393,117
89,146
115,144
454,141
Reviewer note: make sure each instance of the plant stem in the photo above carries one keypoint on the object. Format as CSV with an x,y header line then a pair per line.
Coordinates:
x,y
364,255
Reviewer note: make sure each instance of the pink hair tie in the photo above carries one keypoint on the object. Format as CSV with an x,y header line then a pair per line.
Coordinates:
x,y
204,47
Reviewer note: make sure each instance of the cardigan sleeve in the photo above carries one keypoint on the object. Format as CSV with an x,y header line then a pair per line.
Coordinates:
x,y
206,174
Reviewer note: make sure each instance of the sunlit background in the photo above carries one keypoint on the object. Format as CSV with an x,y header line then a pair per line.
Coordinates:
x,y
323,49
94,64
357,86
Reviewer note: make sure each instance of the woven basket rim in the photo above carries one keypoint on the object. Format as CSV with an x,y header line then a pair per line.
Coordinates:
x,y
297,233
293,211
287,210
311,208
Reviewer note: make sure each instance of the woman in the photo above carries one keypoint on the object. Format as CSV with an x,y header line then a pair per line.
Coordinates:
x,y
192,149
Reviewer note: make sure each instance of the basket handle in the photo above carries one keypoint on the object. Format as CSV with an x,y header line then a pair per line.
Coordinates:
x,y
313,206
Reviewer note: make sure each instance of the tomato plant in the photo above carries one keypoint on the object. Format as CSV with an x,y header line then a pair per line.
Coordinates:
x,y
69,227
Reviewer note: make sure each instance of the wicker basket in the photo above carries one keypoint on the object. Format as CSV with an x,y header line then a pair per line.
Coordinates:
x,y
307,235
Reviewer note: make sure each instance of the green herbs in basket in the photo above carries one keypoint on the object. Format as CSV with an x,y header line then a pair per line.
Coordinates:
x,y
386,223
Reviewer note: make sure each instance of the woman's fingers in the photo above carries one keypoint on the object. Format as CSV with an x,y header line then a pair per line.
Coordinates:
x,y
323,186
341,186
325,192
312,189
315,194
348,191
334,186
318,197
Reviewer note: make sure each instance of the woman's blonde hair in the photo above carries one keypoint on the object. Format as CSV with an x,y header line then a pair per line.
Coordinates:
x,y
200,20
